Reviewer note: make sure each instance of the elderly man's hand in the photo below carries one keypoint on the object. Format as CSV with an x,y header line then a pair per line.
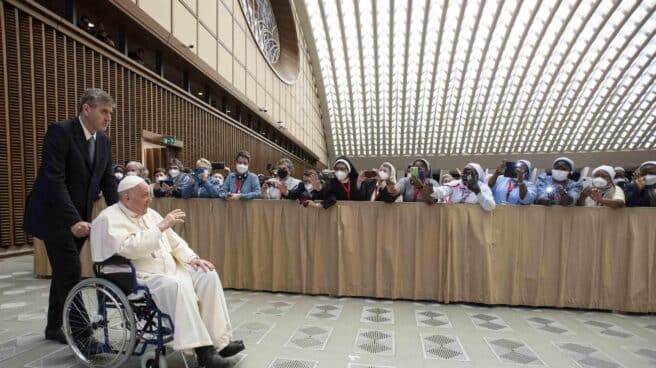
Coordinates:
x,y
172,218
203,264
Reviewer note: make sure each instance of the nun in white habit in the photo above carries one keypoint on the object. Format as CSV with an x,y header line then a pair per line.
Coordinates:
x,y
471,188
182,284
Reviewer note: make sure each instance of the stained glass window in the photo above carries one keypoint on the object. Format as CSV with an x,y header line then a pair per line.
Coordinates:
x,y
261,20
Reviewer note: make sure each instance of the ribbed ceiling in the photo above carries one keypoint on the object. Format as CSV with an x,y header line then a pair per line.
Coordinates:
x,y
486,77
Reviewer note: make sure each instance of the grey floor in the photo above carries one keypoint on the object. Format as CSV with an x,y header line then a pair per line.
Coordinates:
x,y
298,331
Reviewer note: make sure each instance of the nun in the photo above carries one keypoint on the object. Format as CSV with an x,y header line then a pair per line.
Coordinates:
x,y
182,284
641,192
516,190
558,188
419,183
470,188
342,186
602,191
377,189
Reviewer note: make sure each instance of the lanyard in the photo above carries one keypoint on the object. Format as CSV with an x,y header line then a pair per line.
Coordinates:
x,y
237,185
347,188
464,193
415,194
511,186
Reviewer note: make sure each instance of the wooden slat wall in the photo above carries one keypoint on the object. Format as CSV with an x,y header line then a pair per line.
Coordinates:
x,y
44,69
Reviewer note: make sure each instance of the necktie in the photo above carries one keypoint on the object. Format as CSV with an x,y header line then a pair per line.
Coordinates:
x,y
92,149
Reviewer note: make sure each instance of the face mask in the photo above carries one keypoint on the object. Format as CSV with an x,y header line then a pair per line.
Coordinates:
x,y
620,180
599,182
308,188
650,179
118,175
131,173
161,178
241,168
559,175
340,175
174,172
282,173
383,175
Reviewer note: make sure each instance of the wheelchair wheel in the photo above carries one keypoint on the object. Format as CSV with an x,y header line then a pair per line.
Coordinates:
x,y
99,324
150,360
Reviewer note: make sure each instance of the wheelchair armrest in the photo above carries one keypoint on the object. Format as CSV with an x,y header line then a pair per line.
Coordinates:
x,y
127,285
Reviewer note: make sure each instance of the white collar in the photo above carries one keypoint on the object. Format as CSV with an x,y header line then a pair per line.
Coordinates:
x,y
128,212
87,134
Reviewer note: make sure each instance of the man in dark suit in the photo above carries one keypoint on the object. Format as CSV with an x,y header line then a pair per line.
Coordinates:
x,y
75,167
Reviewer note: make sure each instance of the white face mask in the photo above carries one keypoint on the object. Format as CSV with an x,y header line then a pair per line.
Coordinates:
x,y
383,175
599,182
340,175
174,172
308,188
131,173
241,168
161,178
118,175
559,175
650,179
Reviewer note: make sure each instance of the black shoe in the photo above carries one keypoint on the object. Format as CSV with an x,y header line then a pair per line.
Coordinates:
x,y
56,336
207,357
233,348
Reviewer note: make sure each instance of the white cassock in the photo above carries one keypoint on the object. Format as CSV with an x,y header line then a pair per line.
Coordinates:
x,y
193,298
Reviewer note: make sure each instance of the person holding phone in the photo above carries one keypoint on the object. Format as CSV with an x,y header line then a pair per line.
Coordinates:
x,y
177,180
510,183
641,192
342,186
602,192
558,188
419,183
202,185
375,184
241,185
278,187
470,188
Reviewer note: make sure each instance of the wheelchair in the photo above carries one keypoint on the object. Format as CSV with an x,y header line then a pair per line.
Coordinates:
x,y
110,317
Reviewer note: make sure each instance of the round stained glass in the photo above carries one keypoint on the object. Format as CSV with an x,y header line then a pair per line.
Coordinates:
x,y
260,18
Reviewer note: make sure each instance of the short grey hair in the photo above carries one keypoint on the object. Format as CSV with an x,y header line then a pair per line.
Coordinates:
x,y
138,165
92,96
287,162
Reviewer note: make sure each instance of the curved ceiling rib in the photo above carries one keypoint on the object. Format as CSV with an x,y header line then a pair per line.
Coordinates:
x,y
461,77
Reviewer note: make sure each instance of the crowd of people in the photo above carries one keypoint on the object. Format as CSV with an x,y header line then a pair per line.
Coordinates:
x,y
509,183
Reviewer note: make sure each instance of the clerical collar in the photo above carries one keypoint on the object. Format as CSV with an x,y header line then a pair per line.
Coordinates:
x,y
128,212
87,133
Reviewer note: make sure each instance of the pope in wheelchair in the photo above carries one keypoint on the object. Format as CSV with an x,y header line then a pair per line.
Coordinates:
x,y
179,285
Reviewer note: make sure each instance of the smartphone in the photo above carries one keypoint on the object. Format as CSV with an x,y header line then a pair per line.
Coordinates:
x,y
414,171
511,168
218,165
370,174
167,182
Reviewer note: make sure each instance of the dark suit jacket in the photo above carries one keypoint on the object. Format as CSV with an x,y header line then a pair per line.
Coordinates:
x,y
67,183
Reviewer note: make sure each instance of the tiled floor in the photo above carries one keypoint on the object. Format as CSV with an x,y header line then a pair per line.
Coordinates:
x,y
294,331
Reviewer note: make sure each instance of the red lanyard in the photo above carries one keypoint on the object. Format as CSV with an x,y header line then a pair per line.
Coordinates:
x,y
415,194
238,185
464,193
376,193
347,188
511,186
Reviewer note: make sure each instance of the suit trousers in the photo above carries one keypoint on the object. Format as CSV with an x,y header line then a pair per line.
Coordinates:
x,y
64,256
